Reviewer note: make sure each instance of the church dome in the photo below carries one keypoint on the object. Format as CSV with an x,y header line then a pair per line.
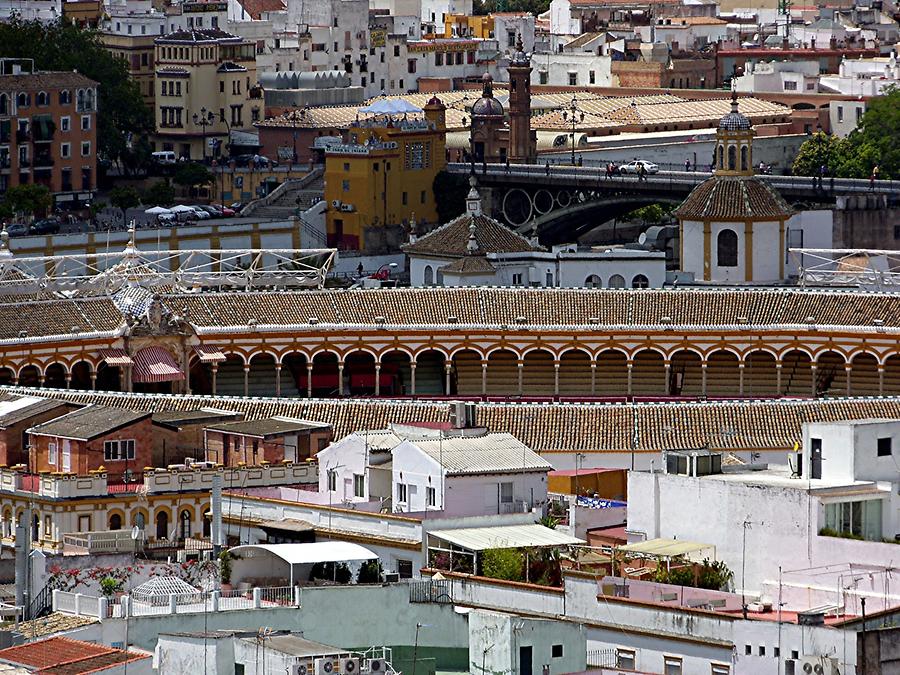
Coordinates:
x,y
734,198
487,105
735,121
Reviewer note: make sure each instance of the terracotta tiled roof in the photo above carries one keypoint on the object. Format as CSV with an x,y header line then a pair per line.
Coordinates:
x,y
452,239
552,427
733,198
55,622
44,81
256,8
57,317
470,264
52,652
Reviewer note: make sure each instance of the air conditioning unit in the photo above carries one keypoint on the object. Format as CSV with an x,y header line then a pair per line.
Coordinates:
x,y
350,666
347,208
327,666
303,668
376,666
392,577
813,665
335,203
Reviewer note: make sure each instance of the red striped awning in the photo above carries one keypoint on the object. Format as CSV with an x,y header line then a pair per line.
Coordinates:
x,y
209,354
115,357
155,364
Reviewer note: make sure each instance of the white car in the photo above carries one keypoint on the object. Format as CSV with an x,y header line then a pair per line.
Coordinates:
x,y
635,167
201,214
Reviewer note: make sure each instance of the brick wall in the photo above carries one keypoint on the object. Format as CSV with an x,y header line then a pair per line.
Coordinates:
x,y
637,74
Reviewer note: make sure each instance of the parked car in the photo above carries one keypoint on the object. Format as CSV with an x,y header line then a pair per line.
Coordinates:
x,y
237,207
635,167
213,211
45,226
200,213
166,219
225,210
17,229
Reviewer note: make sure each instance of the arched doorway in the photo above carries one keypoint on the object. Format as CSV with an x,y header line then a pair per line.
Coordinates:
x,y
359,374
184,524
109,378
29,376
7,376
760,375
796,374
162,525
831,375
723,376
115,522
261,376
502,374
864,375
466,375
612,371
648,374
430,373
55,376
574,373
685,374
539,375
892,375
293,375
81,376
325,375
396,374
230,376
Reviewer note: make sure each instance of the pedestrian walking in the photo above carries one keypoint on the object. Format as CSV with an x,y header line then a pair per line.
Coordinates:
x,y
687,165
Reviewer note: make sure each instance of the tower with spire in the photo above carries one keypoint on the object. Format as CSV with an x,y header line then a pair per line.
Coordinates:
x,y
522,141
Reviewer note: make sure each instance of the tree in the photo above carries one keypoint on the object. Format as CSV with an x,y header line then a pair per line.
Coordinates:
x,y
63,46
189,175
370,572
29,199
502,563
161,193
820,150
124,198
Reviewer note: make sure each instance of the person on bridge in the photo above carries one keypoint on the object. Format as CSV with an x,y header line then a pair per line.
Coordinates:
x,y
687,165
609,170
547,167
642,172
874,177
507,165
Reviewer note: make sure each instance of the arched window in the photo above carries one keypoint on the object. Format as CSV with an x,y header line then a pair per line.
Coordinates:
x,y
549,279
4,104
440,278
139,520
162,525
115,522
65,97
42,99
744,159
617,281
732,158
207,526
593,281
89,100
721,162
640,281
429,275
22,100
185,520
79,100
727,249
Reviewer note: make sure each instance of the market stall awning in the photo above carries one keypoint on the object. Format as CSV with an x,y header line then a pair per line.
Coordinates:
x,y
288,525
115,357
209,354
505,536
308,554
155,364
666,548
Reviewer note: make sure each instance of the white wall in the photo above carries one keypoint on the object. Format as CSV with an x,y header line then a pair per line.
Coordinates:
x,y
844,115
561,21
558,66
345,457
816,227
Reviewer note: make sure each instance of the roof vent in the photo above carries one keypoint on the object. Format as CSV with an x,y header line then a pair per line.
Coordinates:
x,y
380,320
520,320
878,322
252,322
23,333
666,320
75,329
313,320
594,319
452,319
743,319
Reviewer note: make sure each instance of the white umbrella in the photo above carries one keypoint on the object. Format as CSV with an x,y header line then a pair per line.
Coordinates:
x,y
181,208
390,106
157,210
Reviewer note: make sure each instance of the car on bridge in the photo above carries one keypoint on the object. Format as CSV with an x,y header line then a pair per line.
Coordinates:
x,y
635,167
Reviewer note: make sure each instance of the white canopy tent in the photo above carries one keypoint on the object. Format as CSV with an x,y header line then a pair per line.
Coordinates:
x,y
268,560
157,210
390,106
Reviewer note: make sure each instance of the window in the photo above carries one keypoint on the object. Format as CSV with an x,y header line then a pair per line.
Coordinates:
x,y
422,197
396,51
86,149
776,652
593,281
625,659
617,281
428,276
118,450
359,485
719,668
860,518
42,99
671,665
815,458
732,158
401,493
884,447
439,58
859,114
65,97
238,669
543,77
404,569
591,77
727,248
548,279
65,150
85,122
51,453
762,650
840,113
517,279
48,527
790,86
506,493
556,651
430,496
345,186
573,79
410,65
405,198
640,281
332,480
748,650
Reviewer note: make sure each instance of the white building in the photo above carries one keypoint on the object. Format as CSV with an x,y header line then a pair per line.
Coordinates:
x,y
686,33
476,250
844,116
863,77
584,61
433,12
778,77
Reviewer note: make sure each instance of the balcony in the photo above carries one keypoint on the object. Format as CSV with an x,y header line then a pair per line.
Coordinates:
x,y
23,136
42,161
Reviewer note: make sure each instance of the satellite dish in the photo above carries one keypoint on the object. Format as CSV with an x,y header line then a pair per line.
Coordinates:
x,y
135,532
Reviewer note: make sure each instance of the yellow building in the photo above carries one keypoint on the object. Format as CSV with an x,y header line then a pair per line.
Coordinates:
x,y
137,52
381,177
205,88
463,25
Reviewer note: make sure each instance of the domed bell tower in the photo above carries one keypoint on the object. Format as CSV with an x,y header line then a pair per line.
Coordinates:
x,y
522,141
734,143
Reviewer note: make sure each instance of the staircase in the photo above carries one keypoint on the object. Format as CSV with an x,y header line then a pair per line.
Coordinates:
x,y
297,196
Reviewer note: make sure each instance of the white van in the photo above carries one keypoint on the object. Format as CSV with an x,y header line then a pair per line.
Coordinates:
x,y
164,157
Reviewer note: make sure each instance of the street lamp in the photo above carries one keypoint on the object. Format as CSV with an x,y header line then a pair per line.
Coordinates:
x,y
204,119
574,115
416,647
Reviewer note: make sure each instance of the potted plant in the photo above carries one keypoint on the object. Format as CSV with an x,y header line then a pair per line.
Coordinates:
x,y
225,570
111,587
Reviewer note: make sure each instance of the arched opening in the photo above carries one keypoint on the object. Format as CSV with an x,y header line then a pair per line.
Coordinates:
x,y
184,524
261,376
648,374
109,378
430,373
162,525
359,374
201,377
55,376
831,375
864,375
428,278
539,376
617,281
466,373
81,376
685,374
722,374
721,161
230,376
207,525
640,281
293,375
29,376
796,374
7,376
732,158
115,522
612,371
760,374
139,520
36,526
892,375
325,374
744,158
727,248
574,373
593,281
502,373
396,375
